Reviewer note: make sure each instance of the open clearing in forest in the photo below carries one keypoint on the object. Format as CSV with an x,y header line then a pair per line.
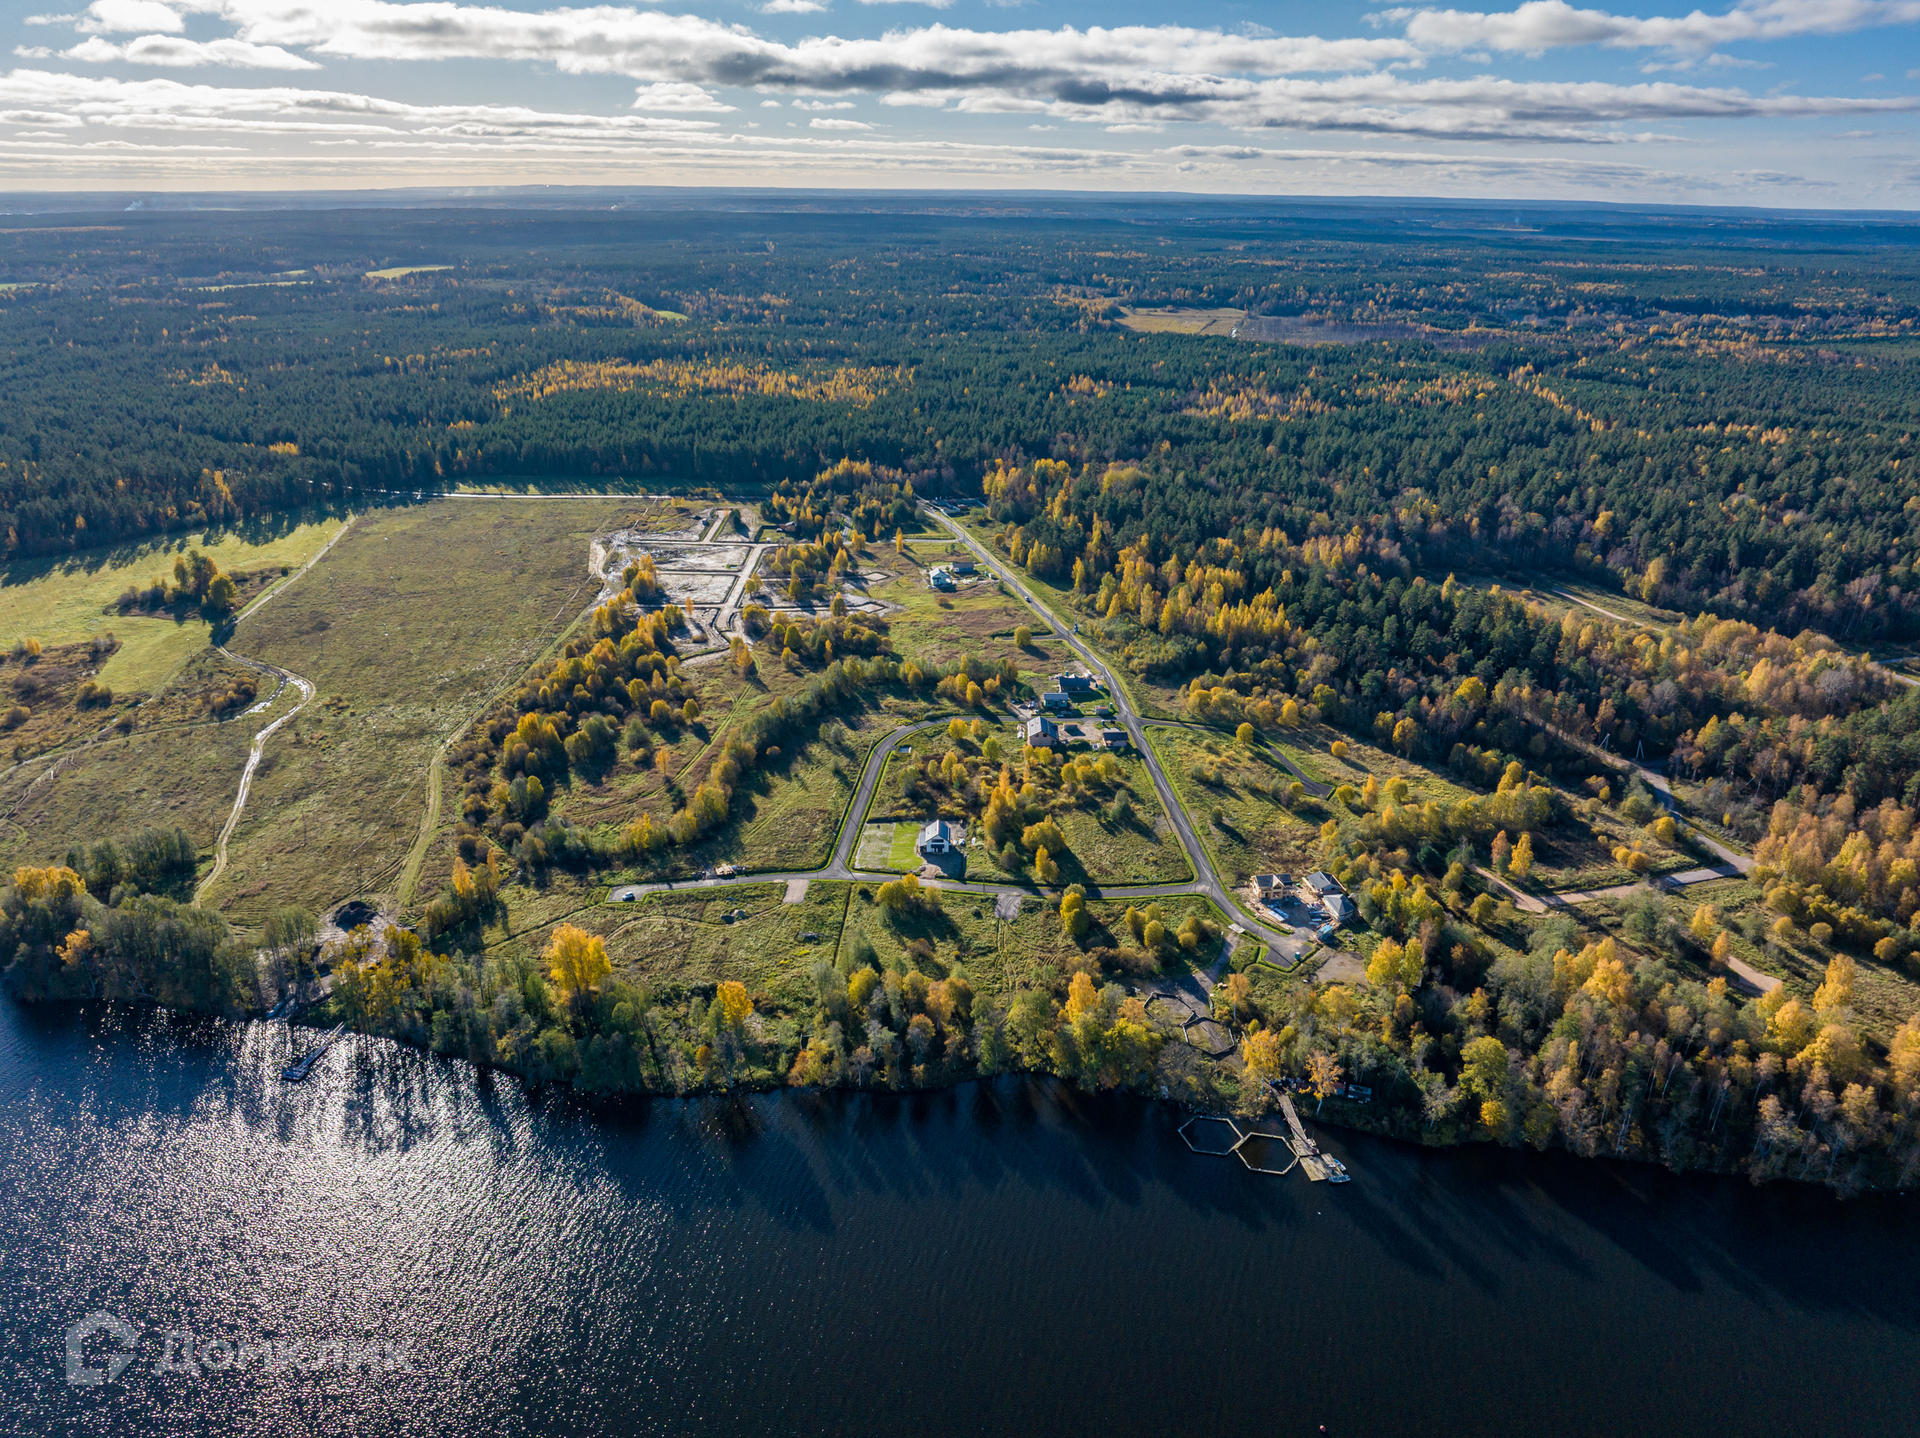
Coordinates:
x,y
1243,786
61,600
689,940
1181,321
179,776
151,652
406,628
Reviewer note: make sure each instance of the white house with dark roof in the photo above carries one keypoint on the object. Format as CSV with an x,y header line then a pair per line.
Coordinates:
x,y
939,837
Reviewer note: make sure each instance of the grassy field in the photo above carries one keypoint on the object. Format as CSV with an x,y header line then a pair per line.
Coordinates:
x,y
1173,321
408,628
979,620
996,956
680,941
151,652
874,850
61,600
184,775
1259,835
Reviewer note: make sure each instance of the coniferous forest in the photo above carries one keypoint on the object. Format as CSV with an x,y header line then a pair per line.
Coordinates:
x,y
1546,556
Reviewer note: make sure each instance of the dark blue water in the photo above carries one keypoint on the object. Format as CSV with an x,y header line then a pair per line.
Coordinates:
x,y
998,1259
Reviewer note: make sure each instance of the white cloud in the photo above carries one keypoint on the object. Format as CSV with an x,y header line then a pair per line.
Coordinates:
x,y
678,95
608,39
49,19
1684,60
1129,79
172,105
37,117
33,52
110,17
1541,25
934,4
1120,75
173,51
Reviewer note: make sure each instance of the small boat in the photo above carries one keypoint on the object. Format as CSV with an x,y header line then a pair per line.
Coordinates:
x,y
302,1066
1336,1170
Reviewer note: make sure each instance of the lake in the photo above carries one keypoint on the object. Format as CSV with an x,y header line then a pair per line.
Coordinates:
x,y
403,1245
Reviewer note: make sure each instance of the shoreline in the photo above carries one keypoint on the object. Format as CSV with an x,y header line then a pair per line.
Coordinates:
x,y
1344,1120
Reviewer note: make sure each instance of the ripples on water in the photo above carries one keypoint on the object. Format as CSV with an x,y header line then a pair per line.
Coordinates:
x,y
1012,1258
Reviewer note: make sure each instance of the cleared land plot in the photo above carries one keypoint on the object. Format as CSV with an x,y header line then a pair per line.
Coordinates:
x,y
407,629
61,600
998,955
185,776
1182,321
151,652
979,620
1243,787
875,849
685,940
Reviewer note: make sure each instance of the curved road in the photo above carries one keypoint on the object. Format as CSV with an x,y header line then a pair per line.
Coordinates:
x,y
259,746
1197,856
840,866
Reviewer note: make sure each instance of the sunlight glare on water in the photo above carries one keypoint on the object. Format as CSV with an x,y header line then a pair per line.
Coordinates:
x,y
1007,1258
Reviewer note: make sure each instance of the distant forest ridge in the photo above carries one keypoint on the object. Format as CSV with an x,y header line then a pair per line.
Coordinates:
x,y
1714,410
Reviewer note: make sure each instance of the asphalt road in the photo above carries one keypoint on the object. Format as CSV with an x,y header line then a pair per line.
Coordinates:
x,y
1209,878
841,865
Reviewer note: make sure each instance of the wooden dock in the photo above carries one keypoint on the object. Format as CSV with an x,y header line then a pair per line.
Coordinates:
x,y
302,1066
1315,1164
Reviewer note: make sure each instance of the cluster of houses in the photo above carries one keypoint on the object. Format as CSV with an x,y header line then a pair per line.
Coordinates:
x,y
1040,732
1318,891
1045,732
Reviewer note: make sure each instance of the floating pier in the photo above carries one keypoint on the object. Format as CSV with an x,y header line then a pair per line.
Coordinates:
x,y
1208,1138
1318,1167
302,1066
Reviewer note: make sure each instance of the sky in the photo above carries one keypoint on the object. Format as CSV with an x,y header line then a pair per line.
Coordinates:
x,y
1770,102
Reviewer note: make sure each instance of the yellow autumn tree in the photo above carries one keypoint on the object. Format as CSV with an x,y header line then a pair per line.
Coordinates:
x,y
1260,1052
577,960
1082,997
1520,862
731,998
1837,991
